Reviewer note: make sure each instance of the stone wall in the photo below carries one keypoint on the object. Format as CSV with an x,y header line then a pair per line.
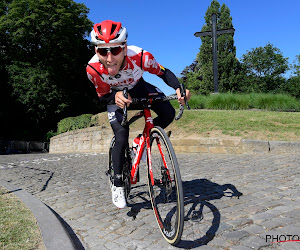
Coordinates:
x,y
94,139
97,139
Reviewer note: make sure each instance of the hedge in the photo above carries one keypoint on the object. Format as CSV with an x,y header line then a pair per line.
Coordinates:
x,y
73,123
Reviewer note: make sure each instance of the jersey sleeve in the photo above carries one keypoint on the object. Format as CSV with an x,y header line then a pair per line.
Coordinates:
x,y
102,88
150,65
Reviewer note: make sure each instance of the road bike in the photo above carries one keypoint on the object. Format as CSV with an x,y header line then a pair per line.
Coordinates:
x,y
164,179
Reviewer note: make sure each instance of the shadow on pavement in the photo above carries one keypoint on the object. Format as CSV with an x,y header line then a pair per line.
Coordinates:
x,y
138,200
197,194
202,218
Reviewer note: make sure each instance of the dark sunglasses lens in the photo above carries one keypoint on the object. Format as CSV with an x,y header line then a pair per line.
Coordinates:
x,y
116,50
102,51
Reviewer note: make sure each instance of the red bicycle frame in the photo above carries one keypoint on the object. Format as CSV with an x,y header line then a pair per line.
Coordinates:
x,y
145,141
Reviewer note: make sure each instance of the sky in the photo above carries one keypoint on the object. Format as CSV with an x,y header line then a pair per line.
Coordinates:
x,y
166,28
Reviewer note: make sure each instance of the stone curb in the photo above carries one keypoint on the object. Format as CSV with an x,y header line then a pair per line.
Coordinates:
x,y
235,146
96,139
53,233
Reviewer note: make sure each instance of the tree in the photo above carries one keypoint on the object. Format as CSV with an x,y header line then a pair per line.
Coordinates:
x,y
227,62
188,69
45,55
292,86
264,68
296,66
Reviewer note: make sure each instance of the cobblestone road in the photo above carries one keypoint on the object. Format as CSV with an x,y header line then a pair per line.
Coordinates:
x,y
75,187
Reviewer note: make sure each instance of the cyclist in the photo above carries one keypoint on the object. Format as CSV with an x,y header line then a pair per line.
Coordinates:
x,y
115,66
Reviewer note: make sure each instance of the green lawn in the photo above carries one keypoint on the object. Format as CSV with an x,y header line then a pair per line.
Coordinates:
x,y
247,124
18,227
264,125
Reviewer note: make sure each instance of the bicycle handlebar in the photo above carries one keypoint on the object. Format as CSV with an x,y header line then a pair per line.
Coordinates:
x,y
156,99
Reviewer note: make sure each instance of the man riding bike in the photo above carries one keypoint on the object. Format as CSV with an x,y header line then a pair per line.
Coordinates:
x,y
115,66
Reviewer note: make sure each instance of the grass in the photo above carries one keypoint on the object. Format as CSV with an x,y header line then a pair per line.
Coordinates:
x,y
246,124
260,125
230,101
18,227
278,102
249,116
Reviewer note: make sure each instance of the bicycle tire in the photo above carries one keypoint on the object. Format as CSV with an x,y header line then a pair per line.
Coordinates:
x,y
126,168
165,188
110,171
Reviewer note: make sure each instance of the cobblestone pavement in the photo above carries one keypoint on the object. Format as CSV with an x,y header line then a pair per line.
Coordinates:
x,y
75,187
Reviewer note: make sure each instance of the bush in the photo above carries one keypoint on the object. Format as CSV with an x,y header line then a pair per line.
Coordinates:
x,y
292,86
49,135
73,123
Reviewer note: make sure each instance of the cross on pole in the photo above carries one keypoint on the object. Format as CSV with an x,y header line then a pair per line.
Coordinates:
x,y
214,34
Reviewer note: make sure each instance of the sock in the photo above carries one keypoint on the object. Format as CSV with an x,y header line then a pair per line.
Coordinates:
x,y
118,180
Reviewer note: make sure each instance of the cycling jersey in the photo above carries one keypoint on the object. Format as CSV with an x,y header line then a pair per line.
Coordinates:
x,y
138,61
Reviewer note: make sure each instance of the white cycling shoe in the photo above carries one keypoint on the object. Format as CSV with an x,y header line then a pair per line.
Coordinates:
x,y
118,196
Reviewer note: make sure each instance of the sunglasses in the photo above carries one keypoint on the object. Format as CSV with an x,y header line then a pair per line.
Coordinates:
x,y
114,50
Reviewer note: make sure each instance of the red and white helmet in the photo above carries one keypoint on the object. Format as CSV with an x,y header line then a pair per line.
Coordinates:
x,y
108,32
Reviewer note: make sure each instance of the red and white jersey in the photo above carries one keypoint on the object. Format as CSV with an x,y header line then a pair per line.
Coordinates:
x,y
128,76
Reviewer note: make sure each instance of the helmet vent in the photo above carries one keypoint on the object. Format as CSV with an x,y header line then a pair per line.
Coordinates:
x,y
100,30
113,27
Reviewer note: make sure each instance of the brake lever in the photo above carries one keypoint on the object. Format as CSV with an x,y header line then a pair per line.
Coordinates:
x,y
183,94
181,107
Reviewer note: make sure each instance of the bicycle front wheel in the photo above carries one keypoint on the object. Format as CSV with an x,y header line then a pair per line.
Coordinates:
x,y
165,186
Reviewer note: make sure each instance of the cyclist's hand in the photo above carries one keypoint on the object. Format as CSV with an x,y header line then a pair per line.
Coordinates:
x,y
181,99
120,100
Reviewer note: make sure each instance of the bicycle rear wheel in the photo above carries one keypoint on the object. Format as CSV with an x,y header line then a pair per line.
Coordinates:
x,y
165,187
110,171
